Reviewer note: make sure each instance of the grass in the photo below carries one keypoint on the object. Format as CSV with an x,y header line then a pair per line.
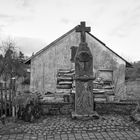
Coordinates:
x,y
133,90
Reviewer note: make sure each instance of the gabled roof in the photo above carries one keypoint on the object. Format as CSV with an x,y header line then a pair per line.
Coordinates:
x,y
58,39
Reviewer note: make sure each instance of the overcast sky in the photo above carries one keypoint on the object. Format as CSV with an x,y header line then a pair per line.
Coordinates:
x,y
36,23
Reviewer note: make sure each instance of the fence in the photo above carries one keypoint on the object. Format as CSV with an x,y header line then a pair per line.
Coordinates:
x,y
7,93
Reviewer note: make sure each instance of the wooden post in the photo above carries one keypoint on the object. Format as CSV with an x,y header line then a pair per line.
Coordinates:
x,y
13,95
10,97
13,111
1,99
5,87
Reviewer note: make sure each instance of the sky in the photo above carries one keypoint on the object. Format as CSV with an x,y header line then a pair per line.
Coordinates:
x,y
35,23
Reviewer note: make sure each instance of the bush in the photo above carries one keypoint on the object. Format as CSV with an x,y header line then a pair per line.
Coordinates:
x,y
27,106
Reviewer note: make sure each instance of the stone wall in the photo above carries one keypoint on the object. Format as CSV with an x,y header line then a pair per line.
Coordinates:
x,y
53,109
101,108
115,108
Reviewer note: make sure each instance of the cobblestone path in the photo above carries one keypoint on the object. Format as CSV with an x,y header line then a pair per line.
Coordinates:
x,y
63,128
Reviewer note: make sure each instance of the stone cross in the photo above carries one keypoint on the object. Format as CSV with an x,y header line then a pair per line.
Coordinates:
x,y
83,76
82,28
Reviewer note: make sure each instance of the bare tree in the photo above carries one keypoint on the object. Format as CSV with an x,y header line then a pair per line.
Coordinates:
x,y
11,61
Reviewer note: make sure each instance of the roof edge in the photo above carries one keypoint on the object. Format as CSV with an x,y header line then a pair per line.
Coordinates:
x,y
48,46
127,63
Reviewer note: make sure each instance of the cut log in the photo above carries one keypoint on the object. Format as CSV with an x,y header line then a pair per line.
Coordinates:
x,y
64,86
65,83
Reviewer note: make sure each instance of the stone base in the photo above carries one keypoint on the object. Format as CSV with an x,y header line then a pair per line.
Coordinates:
x,y
94,115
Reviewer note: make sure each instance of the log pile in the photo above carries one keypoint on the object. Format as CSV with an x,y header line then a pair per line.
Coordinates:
x,y
103,90
64,80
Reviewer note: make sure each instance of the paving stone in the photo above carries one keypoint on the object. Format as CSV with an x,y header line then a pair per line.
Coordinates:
x,y
72,139
122,138
108,138
99,137
19,138
92,137
4,137
70,135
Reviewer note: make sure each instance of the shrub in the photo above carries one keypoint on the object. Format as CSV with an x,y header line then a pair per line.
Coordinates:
x,y
27,106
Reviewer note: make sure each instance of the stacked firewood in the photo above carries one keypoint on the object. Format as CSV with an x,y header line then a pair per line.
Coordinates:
x,y
64,80
103,90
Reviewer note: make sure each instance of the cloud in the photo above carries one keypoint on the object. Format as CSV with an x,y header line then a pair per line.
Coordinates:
x,y
25,44
128,19
65,20
24,3
7,18
1,26
4,16
29,45
1,30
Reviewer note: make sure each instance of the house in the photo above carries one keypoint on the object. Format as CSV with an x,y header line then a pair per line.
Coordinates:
x,y
58,58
